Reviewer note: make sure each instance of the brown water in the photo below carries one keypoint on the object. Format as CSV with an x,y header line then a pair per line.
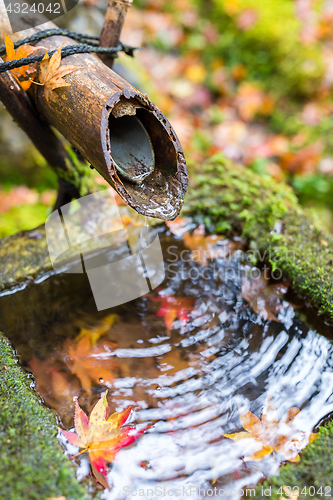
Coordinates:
x,y
190,382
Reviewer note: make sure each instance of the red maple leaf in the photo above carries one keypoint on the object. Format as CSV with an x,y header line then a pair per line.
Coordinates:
x,y
172,308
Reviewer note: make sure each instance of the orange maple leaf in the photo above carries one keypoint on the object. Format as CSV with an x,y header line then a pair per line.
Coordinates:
x,y
51,73
267,433
102,437
172,308
206,248
23,71
90,364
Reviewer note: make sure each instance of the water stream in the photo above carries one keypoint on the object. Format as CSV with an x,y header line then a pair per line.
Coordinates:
x,y
191,382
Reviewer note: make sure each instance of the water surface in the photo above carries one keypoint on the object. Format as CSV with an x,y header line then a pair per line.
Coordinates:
x,y
190,382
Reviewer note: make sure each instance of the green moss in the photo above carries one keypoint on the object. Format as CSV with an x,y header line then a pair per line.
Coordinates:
x,y
78,173
314,469
33,465
230,198
22,217
224,192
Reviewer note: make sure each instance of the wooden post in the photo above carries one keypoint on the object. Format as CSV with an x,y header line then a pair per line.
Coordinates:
x,y
24,113
20,107
113,23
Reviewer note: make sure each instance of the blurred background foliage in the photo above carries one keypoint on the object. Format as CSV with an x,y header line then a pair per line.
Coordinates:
x,y
250,78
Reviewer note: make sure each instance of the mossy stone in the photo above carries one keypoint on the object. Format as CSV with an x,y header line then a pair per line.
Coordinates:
x,y
33,465
231,199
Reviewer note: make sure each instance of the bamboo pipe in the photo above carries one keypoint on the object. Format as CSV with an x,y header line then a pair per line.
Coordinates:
x,y
91,111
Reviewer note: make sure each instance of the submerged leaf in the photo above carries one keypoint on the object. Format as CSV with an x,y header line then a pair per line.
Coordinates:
x,y
269,433
91,364
264,299
56,385
205,248
173,308
96,332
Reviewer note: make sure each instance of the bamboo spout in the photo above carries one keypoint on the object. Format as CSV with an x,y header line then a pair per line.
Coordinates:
x,y
119,131
108,120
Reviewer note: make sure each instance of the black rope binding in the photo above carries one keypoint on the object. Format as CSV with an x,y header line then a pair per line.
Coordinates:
x,y
88,44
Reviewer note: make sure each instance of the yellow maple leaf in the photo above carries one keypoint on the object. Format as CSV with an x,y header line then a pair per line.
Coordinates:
x,y
51,73
96,332
20,53
268,433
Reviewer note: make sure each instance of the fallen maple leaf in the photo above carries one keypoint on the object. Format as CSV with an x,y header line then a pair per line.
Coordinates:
x,y
51,73
268,433
206,248
102,437
172,308
23,71
90,364
264,299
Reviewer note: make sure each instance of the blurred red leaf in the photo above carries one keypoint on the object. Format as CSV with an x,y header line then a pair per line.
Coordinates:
x,y
247,19
172,308
18,195
304,160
